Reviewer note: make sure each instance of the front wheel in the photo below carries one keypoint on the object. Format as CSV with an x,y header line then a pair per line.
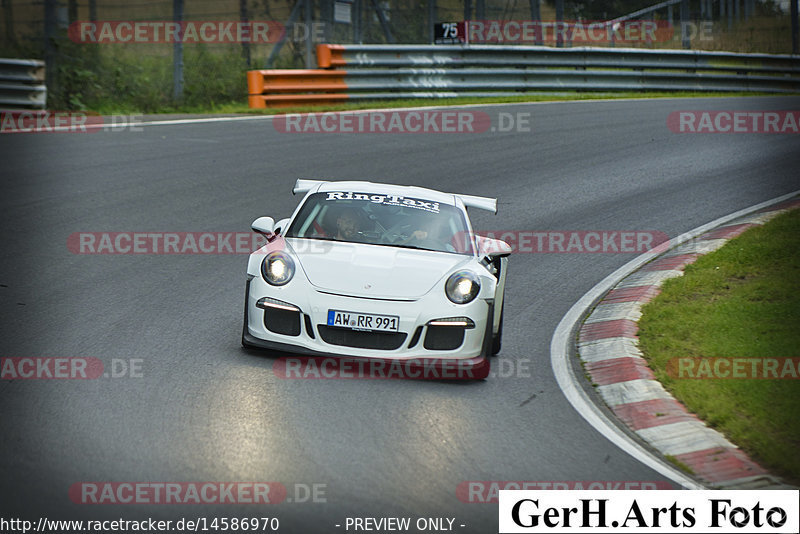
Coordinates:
x,y
245,344
245,330
497,339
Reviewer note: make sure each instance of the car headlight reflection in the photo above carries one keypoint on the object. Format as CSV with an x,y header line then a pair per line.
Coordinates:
x,y
277,268
462,287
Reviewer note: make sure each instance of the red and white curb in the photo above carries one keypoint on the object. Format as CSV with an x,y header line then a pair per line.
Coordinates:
x,y
607,344
570,377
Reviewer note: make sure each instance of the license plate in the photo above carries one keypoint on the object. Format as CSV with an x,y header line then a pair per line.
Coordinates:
x,y
363,321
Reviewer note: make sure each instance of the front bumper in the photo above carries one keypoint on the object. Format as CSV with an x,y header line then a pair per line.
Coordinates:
x,y
417,339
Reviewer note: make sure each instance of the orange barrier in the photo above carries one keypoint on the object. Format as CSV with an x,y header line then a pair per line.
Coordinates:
x,y
288,100
330,56
278,87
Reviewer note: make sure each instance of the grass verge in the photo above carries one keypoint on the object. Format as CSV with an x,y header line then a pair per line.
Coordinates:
x,y
238,107
741,301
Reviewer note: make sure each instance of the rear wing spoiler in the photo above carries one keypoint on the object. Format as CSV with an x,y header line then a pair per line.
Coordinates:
x,y
304,186
482,203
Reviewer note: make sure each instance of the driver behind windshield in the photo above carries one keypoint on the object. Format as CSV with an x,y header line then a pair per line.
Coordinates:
x,y
349,225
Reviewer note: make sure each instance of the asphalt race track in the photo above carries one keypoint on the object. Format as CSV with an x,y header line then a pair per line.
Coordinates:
x,y
201,408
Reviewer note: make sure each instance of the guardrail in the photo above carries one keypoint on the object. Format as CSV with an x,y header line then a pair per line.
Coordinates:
x,y
335,56
22,84
446,71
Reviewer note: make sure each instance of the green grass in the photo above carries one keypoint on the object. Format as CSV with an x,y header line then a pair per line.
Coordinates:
x,y
742,301
120,80
242,107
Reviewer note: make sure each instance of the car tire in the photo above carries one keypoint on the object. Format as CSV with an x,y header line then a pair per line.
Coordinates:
x,y
497,339
245,344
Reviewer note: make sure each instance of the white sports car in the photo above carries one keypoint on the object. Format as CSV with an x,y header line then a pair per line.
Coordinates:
x,y
378,271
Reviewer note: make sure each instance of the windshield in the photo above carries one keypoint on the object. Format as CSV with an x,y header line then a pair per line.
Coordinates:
x,y
388,220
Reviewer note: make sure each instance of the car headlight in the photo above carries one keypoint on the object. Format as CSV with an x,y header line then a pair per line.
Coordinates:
x,y
462,287
277,268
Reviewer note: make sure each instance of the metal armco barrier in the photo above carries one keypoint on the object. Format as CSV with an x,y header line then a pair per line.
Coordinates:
x,y
22,84
491,56
442,71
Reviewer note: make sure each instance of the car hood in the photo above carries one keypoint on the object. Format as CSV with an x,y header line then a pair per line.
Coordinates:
x,y
373,271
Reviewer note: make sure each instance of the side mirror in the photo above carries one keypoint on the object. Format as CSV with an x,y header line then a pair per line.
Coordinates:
x,y
493,248
264,225
281,225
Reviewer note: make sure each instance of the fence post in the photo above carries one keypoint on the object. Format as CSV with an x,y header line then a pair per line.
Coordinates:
x,y
308,7
559,20
72,11
387,31
431,20
245,44
730,13
326,14
687,43
177,53
356,17
536,16
50,7
795,29
289,22
8,15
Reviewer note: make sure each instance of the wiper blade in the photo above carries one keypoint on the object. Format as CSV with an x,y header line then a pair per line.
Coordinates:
x,y
415,247
318,238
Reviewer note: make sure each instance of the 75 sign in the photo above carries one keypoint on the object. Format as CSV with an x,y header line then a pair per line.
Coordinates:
x,y
450,33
